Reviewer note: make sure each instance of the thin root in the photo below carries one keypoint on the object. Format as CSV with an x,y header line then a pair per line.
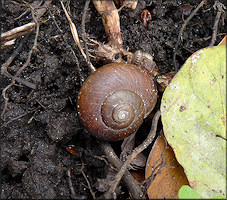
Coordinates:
x,y
220,7
181,31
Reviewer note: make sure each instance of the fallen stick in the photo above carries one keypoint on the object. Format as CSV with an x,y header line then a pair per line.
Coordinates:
x,y
8,38
76,38
136,151
132,184
111,21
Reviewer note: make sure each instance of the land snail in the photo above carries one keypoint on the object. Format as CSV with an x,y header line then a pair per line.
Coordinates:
x,y
114,100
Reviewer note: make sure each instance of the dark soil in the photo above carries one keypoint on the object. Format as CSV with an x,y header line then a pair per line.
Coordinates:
x,y
40,124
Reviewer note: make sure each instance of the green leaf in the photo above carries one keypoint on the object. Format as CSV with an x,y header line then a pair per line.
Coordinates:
x,y
218,197
187,192
194,120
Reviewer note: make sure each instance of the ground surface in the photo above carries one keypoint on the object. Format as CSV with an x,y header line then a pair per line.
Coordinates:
x,y
39,124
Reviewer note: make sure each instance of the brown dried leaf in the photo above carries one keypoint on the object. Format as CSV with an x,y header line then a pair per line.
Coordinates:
x,y
223,42
171,177
138,175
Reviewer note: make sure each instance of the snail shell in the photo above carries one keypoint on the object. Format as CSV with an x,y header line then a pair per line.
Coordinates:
x,y
115,99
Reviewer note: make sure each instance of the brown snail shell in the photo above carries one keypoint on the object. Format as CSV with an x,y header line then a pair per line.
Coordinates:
x,y
115,99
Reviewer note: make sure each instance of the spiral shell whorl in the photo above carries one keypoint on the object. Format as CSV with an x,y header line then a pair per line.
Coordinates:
x,y
121,108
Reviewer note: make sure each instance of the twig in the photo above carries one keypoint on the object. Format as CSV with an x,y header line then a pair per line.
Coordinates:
x,y
85,177
22,68
13,56
132,184
111,21
18,117
73,194
71,188
74,31
36,14
4,67
208,37
22,15
71,49
21,80
15,33
38,10
76,38
220,8
181,31
135,152
84,35
53,17
8,38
